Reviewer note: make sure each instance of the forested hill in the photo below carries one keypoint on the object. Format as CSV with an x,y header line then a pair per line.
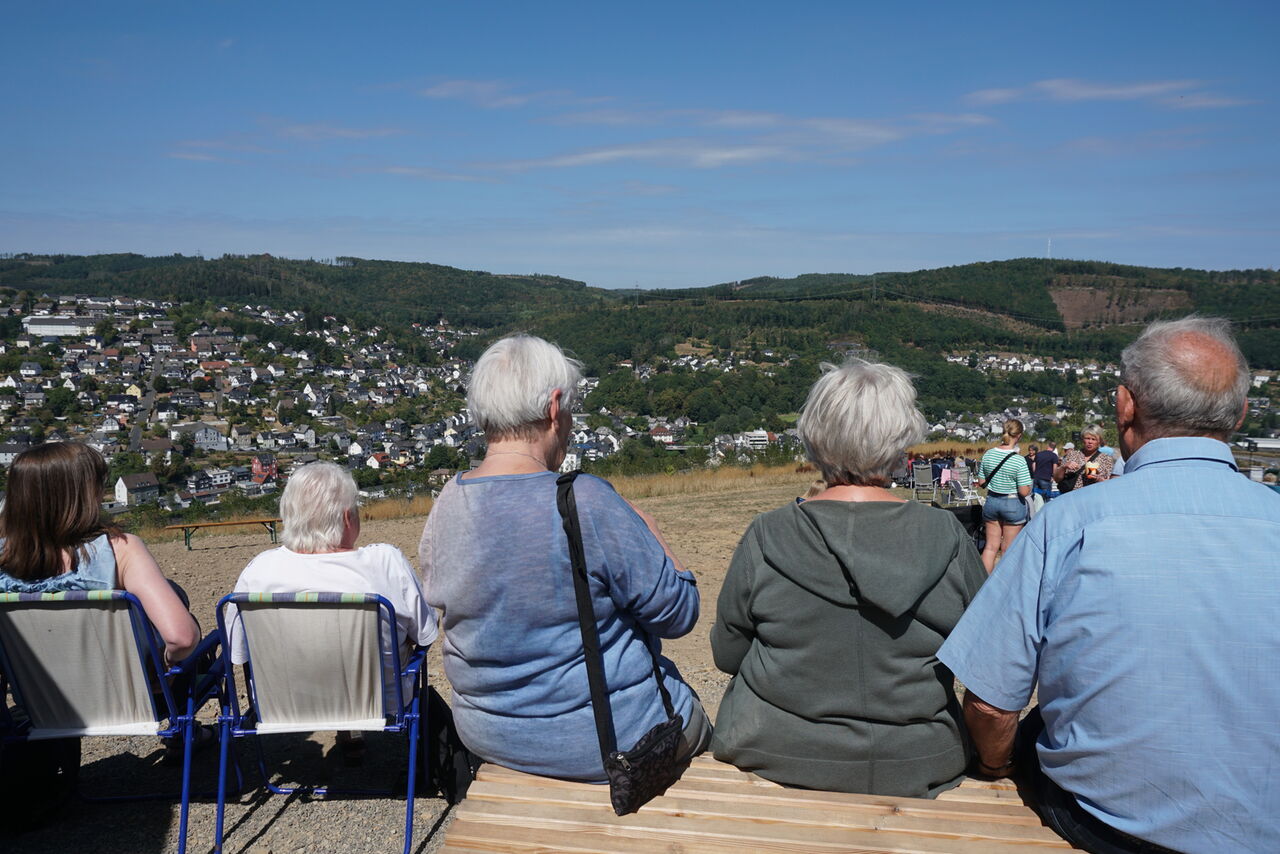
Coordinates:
x,y
1023,304
361,289
1051,294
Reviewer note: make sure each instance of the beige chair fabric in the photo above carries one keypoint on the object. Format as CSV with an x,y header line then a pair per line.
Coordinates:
x,y
77,666
315,666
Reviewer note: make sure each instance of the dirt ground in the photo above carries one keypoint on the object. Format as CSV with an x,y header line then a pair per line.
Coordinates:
x,y
703,531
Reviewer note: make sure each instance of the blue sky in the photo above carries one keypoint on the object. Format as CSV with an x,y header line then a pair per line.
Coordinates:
x,y
662,144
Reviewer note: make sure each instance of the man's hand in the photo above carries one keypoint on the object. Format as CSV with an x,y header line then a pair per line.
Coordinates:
x,y
992,731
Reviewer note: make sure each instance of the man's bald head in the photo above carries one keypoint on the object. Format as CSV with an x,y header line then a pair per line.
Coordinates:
x,y
1187,378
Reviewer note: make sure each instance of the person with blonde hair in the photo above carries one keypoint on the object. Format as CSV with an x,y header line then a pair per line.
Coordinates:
x,y
1084,467
495,561
1008,481
833,609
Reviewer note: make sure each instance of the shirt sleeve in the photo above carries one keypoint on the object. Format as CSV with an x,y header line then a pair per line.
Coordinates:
x,y
995,648
642,580
734,630
418,620
235,631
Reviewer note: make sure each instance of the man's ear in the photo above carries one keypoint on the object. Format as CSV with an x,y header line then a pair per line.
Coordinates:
x,y
1244,413
1125,408
553,408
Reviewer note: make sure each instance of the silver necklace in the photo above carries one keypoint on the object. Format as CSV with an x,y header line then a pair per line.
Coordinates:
x,y
542,463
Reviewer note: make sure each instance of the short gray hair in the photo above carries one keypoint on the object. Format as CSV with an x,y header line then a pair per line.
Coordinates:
x,y
1176,389
312,506
1094,430
858,420
512,383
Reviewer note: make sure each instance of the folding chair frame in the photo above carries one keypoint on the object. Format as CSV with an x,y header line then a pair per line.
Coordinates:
x,y
405,717
179,723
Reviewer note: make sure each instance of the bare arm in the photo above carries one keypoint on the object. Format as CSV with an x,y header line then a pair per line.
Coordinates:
x,y
653,529
139,574
992,731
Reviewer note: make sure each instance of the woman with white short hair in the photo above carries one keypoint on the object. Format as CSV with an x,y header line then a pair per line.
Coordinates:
x,y
833,610
495,561
321,515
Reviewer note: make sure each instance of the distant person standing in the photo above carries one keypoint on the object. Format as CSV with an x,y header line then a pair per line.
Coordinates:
x,y
1086,466
1042,468
1004,473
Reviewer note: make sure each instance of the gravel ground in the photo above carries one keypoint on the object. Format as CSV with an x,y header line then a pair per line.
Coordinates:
x,y
703,531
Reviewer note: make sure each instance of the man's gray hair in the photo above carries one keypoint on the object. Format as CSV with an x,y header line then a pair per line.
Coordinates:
x,y
1174,391
312,505
858,420
512,382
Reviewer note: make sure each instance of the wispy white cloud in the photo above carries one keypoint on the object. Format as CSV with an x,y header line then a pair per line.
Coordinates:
x,y
1184,94
699,154
1204,100
498,94
720,138
226,43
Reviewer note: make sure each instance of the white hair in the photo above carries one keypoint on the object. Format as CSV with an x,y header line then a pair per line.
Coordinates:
x,y
858,420
314,501
1177,389
512,383
1094,430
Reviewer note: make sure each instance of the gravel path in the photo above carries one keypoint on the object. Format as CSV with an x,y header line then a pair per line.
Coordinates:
x,y
703,531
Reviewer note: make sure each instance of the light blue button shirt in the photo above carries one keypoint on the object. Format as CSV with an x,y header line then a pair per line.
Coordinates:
x,y
1148,610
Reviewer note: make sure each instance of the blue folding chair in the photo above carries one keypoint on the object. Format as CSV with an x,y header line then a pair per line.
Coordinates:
x,y
88,663
317,662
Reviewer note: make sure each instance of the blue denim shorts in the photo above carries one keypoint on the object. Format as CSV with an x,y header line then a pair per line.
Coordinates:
x,y
1010,510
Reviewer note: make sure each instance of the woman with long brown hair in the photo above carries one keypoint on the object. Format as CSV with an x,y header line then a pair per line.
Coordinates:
x,y
53,538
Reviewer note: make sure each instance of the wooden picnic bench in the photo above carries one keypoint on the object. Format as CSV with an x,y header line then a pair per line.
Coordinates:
x,y
716,808
189,528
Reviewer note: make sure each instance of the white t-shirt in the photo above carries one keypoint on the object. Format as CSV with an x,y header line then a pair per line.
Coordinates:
x,y
379,568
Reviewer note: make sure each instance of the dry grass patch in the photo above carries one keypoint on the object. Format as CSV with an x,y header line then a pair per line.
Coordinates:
x,y
723,479
396,508
968,449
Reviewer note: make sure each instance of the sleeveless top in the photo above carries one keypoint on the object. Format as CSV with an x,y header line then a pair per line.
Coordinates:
x,y
96,571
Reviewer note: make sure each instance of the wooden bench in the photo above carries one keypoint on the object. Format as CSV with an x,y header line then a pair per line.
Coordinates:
x,y
717,808
190,528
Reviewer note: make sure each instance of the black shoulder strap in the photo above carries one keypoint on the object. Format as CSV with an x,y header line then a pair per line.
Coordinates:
x,y
568,508
999,465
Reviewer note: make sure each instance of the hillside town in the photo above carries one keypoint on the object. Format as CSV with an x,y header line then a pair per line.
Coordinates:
x,y
189,412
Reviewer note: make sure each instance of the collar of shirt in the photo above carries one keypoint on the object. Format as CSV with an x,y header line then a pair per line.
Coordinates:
x,y
1181,450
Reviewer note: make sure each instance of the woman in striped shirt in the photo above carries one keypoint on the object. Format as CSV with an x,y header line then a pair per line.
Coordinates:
x,y
1008,481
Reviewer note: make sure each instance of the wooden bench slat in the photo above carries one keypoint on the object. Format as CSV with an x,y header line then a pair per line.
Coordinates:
x,y
479,819
716,808
871,815
1012,811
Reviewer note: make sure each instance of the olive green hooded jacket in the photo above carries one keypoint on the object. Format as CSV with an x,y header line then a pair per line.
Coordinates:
x,y
830,620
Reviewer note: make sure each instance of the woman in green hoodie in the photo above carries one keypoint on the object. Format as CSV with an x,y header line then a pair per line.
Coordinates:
x,y
833,610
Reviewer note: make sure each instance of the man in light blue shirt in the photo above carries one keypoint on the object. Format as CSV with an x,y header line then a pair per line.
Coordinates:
x,y
1147,612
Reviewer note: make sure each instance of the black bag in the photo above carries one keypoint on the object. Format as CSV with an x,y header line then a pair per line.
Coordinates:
x,y
646,770
448,767
1072,479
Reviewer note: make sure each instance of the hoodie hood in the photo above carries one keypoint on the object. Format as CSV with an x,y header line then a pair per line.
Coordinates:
x,y
858,553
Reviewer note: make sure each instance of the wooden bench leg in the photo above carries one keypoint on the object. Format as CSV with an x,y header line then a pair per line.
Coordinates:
x,y
186,533
271,529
